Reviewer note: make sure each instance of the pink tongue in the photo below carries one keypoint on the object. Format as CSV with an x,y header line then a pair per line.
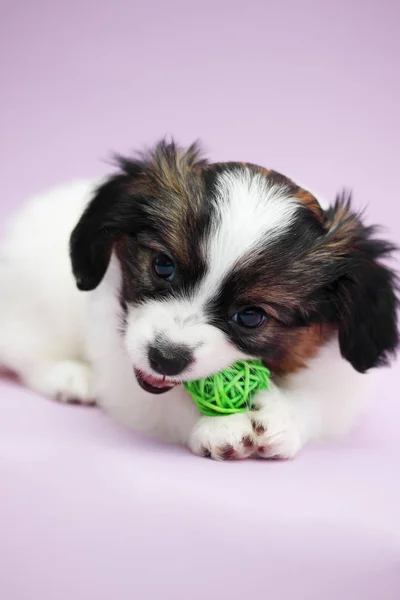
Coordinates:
x,y
159,383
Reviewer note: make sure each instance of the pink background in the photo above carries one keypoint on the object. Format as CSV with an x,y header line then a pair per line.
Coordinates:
x,y
311,88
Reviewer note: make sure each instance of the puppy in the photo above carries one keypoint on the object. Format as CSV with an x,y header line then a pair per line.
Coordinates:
x,y
180,268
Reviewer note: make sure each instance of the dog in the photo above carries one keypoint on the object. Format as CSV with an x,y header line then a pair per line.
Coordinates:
x,y
174,268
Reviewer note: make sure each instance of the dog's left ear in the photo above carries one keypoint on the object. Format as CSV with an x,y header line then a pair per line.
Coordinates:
x,y
364,291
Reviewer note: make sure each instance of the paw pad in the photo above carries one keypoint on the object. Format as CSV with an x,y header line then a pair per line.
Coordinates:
x,y
227,453
248,442
258,428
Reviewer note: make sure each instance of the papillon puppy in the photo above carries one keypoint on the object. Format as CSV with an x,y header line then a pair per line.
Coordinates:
x,y
174,268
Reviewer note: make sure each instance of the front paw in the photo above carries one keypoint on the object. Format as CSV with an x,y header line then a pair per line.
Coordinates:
x,y
223,438
276,430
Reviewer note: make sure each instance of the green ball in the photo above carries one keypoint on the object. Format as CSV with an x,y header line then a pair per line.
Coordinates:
x,y
229,392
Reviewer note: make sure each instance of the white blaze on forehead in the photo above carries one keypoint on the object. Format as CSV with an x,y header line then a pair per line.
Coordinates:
x,y
250,210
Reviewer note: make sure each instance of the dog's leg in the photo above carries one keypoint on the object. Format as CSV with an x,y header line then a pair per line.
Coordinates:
x,y
64,380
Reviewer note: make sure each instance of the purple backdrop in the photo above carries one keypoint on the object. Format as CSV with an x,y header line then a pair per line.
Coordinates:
x,y
311,88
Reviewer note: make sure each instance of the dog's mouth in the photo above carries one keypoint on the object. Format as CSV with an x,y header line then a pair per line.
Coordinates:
x,y
154,385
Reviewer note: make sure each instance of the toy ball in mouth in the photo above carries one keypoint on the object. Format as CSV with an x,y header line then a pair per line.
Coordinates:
x,y
230,391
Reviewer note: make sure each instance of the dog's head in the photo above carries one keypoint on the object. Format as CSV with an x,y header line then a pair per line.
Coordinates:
x,y
230,260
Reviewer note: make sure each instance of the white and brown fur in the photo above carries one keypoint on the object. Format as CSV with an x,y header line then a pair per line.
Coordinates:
x,y
238,236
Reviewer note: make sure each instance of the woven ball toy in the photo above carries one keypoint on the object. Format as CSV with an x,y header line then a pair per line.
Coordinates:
x,y
229,391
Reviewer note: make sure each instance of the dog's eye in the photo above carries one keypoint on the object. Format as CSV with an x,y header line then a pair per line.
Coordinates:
x,y
251,317
164,267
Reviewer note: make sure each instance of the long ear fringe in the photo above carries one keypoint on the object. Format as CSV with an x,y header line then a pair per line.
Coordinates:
x,y
345,228
367,290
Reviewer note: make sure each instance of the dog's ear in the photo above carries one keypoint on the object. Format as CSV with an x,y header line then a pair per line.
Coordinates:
x,y
92,239
363,288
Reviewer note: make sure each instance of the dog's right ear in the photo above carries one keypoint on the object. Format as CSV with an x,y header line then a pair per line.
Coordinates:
x,y
92,240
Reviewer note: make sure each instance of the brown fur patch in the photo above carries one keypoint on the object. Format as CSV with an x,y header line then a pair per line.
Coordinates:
x,y
301,345
311,203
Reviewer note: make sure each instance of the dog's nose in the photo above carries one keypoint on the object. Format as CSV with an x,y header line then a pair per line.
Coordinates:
x,y
169,361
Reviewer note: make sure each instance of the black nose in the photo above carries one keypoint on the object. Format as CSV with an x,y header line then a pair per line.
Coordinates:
x,y
170,360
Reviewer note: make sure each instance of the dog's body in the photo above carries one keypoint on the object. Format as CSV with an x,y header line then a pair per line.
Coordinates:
x,y
190,267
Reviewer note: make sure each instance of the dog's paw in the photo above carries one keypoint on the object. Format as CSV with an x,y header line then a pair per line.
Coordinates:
x,y
223,438
276,430
67,381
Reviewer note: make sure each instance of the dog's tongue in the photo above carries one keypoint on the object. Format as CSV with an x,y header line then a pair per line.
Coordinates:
x,y
154,385
158,383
